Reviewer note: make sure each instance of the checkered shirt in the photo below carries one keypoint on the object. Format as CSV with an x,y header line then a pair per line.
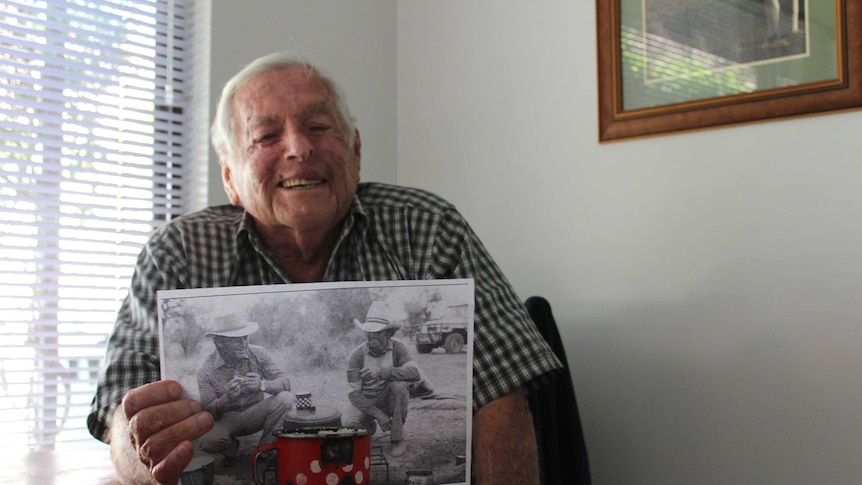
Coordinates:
x,y
390,233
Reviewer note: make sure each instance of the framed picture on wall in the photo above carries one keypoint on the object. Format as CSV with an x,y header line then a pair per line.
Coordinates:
x,y
675,65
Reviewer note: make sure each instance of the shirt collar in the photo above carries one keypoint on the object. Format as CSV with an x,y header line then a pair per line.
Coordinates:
x,y
356,216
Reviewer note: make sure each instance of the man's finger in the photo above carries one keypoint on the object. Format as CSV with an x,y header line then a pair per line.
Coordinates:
x,y
151,394
170,469
152,420
157,447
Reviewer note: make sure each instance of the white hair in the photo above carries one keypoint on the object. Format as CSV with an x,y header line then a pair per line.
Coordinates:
x,y
223,129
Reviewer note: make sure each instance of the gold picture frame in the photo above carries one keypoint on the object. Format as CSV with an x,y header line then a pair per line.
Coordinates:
x,y
647,66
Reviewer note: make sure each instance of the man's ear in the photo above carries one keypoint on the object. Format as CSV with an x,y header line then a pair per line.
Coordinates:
x,y
227,182
357,150
357,144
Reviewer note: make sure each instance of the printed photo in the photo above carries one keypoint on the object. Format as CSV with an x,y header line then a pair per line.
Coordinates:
x,y
336,383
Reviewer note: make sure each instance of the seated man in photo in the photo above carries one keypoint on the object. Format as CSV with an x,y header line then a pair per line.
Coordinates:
x,y
242,388
380,372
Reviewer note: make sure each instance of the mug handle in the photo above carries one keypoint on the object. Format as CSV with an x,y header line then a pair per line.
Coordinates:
x,y
260,449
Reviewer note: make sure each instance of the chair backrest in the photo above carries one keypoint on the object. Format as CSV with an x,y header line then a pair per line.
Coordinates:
x,y
562,449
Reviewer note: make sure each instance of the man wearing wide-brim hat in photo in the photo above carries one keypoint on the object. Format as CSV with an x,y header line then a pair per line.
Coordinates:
x,y
380,371
241,387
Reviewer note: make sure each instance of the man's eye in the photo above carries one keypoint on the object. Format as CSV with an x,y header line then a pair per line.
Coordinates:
x,y
318,128
265,137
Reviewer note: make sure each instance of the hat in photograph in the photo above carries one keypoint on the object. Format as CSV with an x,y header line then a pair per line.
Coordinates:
x,y
231,326
379,318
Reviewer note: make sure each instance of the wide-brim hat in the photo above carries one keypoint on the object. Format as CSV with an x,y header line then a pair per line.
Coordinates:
x,y
378,319
231,327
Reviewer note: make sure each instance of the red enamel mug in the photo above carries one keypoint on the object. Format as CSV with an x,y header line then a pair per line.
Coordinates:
x,y
315,456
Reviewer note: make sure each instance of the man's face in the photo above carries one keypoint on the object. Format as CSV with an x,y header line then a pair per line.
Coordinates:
x,y
377,342
231,349
295,167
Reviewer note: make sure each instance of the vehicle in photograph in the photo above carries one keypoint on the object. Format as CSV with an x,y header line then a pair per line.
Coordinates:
x,y
448,331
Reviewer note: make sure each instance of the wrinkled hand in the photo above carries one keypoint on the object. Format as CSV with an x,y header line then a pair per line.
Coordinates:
x,y
161,426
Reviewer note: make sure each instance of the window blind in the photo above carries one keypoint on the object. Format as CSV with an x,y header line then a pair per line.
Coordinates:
x,y
95,114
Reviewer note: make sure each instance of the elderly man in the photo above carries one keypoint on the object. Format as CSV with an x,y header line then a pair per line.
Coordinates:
x,y
290,159
241,387
380,372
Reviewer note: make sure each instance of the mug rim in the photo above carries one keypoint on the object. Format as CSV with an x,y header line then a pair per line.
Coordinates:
x,y
322,432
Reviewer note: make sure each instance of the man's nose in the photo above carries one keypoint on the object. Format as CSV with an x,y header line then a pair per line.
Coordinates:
x,y
299,147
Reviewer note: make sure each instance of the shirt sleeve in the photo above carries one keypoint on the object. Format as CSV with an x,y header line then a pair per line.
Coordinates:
x,y
357,358
404,368
213,396
208,388
271,372
131,358
509,352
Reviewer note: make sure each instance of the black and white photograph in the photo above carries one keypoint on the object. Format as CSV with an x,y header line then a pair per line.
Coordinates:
x,y
360,382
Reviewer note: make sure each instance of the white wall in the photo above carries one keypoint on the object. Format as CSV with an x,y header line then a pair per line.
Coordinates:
x,y
707,284
353,41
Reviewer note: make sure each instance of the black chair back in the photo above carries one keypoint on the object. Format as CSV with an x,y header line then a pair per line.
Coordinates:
x,y
562,449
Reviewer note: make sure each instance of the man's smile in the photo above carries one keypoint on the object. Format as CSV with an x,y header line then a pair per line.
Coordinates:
x,y
301,183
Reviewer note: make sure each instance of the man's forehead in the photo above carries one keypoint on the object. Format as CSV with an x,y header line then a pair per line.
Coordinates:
x,y
288,83
268,116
